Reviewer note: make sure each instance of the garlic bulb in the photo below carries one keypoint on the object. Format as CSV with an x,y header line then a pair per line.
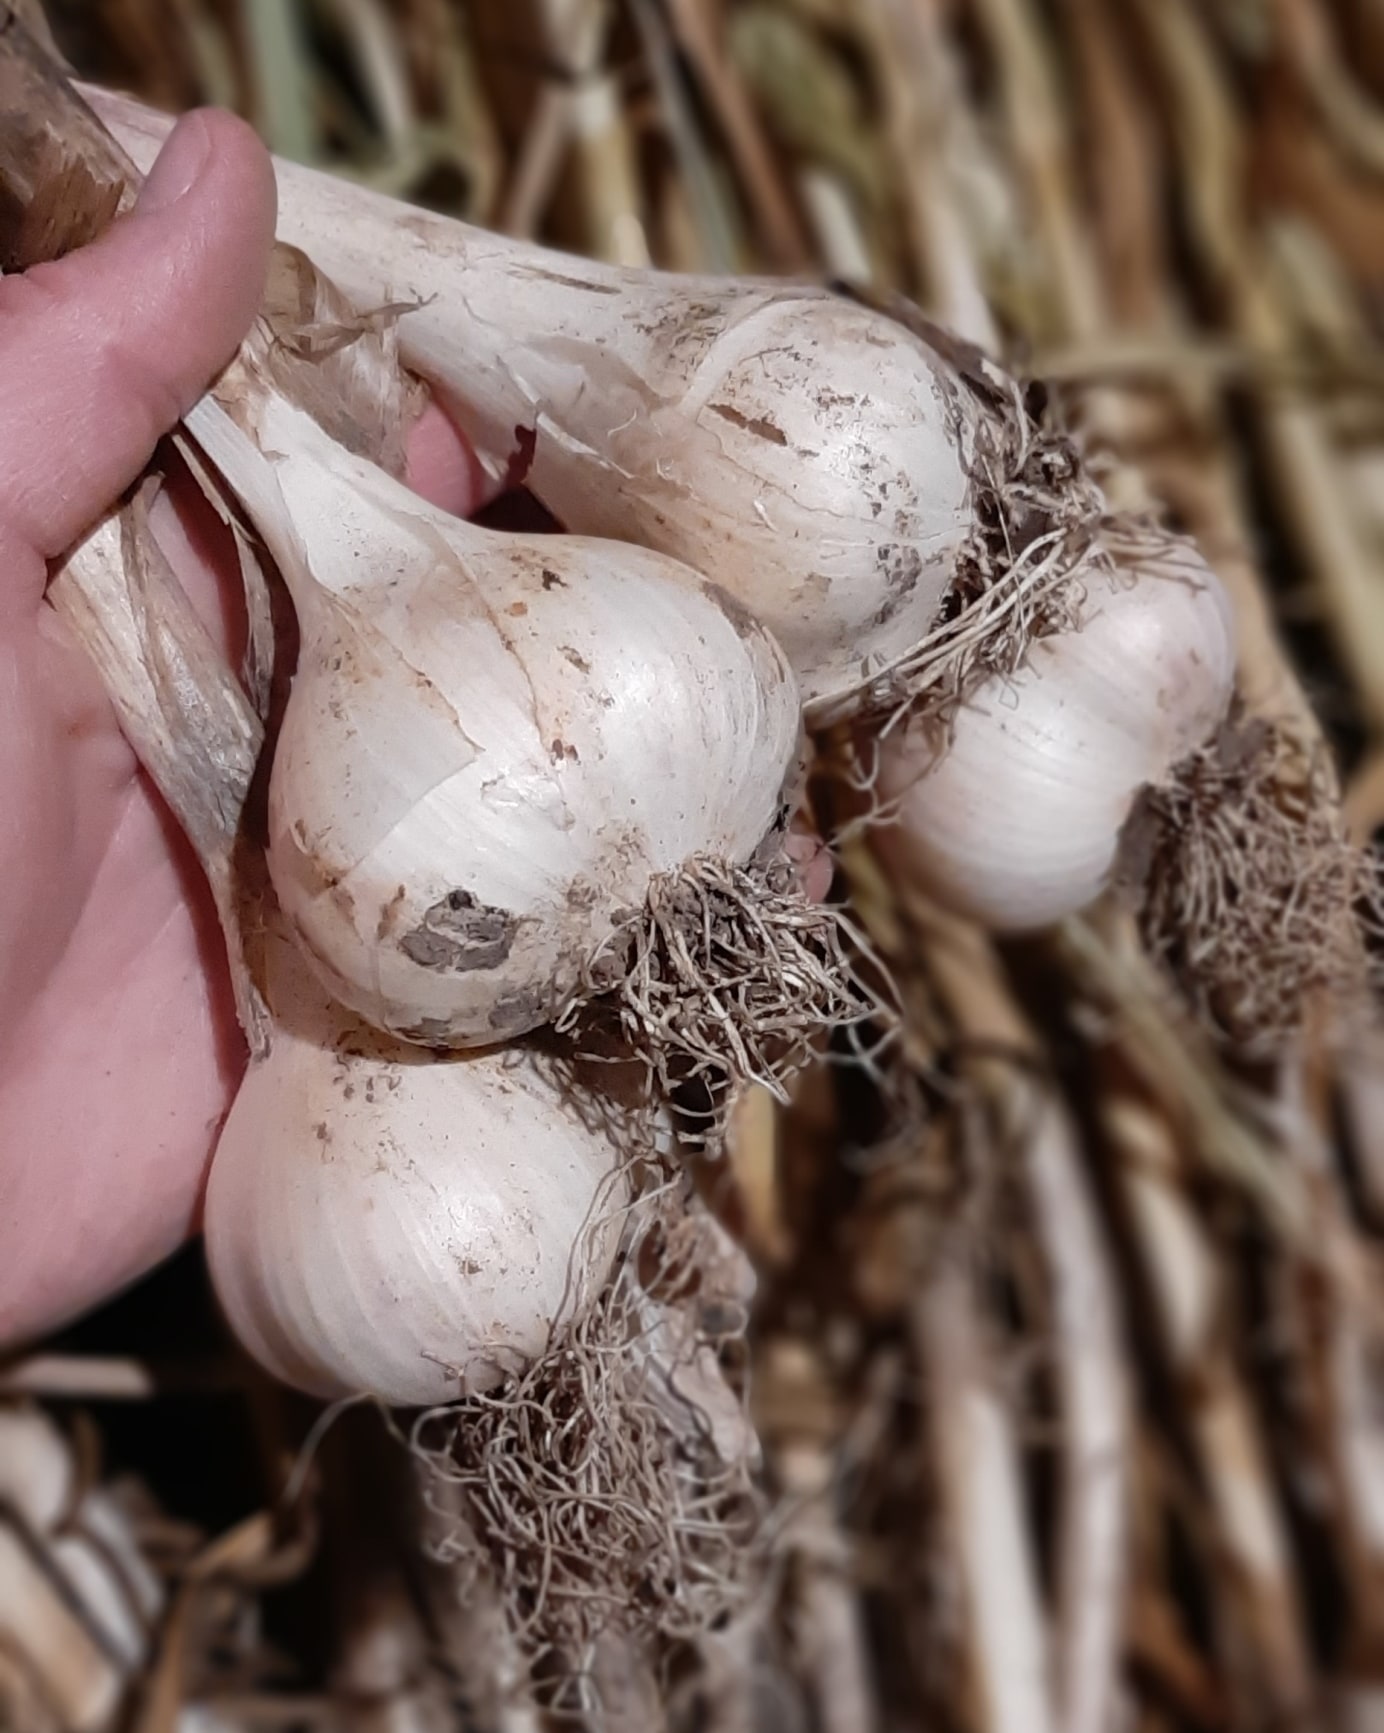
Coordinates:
x,y
1017,822
388,1220
494,744
811,456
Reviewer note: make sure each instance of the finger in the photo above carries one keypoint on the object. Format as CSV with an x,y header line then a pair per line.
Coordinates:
x,y
443,466
103,351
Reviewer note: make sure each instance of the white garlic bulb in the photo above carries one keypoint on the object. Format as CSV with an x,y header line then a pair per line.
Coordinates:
x,y
494,743
811,456
1016,822
384,1219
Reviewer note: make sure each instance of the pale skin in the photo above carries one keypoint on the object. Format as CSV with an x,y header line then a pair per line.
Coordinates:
x,y
119,1051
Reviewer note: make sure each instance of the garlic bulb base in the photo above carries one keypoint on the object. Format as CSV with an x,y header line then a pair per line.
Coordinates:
x,y
728,975
628,1431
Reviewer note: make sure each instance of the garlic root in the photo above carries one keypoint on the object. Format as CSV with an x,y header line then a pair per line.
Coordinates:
x,y
611,1483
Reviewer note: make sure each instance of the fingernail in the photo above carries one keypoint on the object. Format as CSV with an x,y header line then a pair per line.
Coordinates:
x,y
178,165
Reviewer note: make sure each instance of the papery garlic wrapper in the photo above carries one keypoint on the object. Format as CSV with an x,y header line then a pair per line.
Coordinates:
x,y
412,1225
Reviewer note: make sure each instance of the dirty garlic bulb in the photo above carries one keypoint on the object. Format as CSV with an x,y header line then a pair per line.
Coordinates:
x,y
1016,821
495,744
811,456
403,1223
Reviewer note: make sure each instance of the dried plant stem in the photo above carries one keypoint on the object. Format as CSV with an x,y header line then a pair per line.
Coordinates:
x,y
922,98
382,1674
729,1677
379,61
1088,1347
1182,448
1038,140
977,1462
1308,47
828,1634
696,25
1361,1084
715,231
467,1615
1316,508
1185,1285
1341,1340
624,1687
62,1660
1179,1072
1122,166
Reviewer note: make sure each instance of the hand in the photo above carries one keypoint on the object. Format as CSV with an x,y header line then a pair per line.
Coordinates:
x,y
119,1052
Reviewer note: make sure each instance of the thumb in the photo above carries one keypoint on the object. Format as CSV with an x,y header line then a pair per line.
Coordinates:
x,y
103,351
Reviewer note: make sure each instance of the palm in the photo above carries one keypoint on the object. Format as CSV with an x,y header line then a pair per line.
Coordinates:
x,y
119,1050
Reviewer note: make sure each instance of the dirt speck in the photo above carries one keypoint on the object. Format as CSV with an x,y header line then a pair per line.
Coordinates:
x,y
518,1012
734,609
759,425
585,284
391,909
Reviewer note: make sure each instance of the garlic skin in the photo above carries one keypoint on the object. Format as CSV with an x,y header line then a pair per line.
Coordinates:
x,y
1017,824
809,455
406,1224
493,743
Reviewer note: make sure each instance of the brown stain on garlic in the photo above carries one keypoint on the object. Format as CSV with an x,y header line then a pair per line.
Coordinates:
x,y
759,425
458,934
744,622
389,914
517,1013
901,565
583,283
